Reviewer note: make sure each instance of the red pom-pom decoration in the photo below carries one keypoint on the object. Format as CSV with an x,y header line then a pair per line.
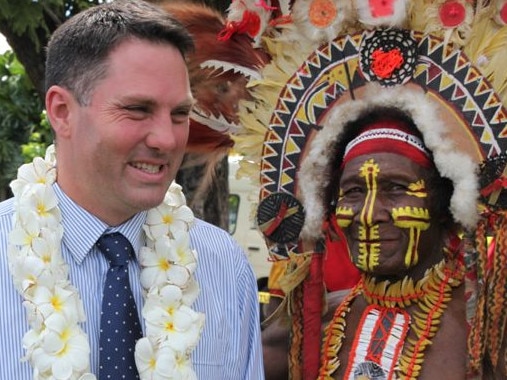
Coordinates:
x,y
452,14
381,8
385,63
503,13
250,24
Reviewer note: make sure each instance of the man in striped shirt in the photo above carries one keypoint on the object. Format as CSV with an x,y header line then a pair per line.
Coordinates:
x,y
118,99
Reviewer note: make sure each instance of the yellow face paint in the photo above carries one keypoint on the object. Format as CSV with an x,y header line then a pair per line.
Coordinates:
x,y
418,189
366,196
416,219
369,171
369,250
344,216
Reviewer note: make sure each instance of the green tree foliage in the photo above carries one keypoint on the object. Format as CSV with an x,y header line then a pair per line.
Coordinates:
x,y
20,115
27,25
24,130
27,18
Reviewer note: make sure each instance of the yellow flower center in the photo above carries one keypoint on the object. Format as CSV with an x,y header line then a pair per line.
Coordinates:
x,y
167,219
64,336
29,238
169,326
163,264
180,361
56,303
41,209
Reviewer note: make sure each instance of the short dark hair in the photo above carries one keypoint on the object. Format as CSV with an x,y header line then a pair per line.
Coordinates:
x,y
78,50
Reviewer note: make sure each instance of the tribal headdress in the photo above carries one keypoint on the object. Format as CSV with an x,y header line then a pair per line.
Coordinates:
x,y
219,70
439,61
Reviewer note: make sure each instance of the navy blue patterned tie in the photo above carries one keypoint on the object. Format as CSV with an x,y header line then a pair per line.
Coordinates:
x,y
119,323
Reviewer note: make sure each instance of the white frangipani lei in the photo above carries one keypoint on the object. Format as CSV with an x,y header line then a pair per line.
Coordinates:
x,y
56,345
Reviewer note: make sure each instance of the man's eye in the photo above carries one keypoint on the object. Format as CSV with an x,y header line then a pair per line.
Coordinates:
x,y
181,113
181,116
397,187
137,108
351,191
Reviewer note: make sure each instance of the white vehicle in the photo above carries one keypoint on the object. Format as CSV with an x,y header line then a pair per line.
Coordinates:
x,y
243,200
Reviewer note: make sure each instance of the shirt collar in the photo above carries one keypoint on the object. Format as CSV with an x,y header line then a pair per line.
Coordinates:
x,y
82,229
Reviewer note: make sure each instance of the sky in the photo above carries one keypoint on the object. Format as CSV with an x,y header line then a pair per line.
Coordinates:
x,y
3,44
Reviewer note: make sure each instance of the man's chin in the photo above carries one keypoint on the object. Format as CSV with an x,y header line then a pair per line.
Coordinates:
x,y
383,272
149,200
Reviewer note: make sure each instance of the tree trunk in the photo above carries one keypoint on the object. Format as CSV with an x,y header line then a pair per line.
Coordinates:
x,y
211,202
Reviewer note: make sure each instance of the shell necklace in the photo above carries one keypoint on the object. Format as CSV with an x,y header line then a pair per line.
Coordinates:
x,y
430,295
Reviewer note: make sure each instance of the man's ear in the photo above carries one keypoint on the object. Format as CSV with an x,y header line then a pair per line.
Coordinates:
x,y
59,105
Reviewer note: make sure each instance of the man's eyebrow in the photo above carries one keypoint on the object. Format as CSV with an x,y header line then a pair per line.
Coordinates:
x,y
137,99
186,103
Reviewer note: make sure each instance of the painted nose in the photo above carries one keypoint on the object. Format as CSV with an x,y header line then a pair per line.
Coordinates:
x,y
374,210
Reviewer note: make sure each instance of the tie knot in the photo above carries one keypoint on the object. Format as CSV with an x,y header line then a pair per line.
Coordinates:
x,y
116,248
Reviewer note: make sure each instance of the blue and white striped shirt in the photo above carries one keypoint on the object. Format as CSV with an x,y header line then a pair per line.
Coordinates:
x,y
230,345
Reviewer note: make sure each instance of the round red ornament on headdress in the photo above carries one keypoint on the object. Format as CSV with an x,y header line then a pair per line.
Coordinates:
x,y
502,14
452,14
381,8
322,13
388,56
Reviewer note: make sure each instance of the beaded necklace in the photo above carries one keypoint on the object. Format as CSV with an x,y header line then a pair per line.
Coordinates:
x,y
430,296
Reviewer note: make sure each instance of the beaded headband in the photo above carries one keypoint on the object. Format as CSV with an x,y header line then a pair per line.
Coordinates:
x,y
387,135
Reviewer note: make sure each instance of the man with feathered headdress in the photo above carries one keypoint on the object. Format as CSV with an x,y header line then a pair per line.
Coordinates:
x,y
384,129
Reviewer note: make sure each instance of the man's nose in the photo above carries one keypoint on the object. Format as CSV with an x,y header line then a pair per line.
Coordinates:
x,y
375,209
162,134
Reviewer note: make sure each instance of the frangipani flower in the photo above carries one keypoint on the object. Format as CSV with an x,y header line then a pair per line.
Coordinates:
x,y
24,233
47,248
40,203
28,272
160,265
154,363
168,220
174,196
58,300
63,349
36,267
167,318
184,255
39,171
183,369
